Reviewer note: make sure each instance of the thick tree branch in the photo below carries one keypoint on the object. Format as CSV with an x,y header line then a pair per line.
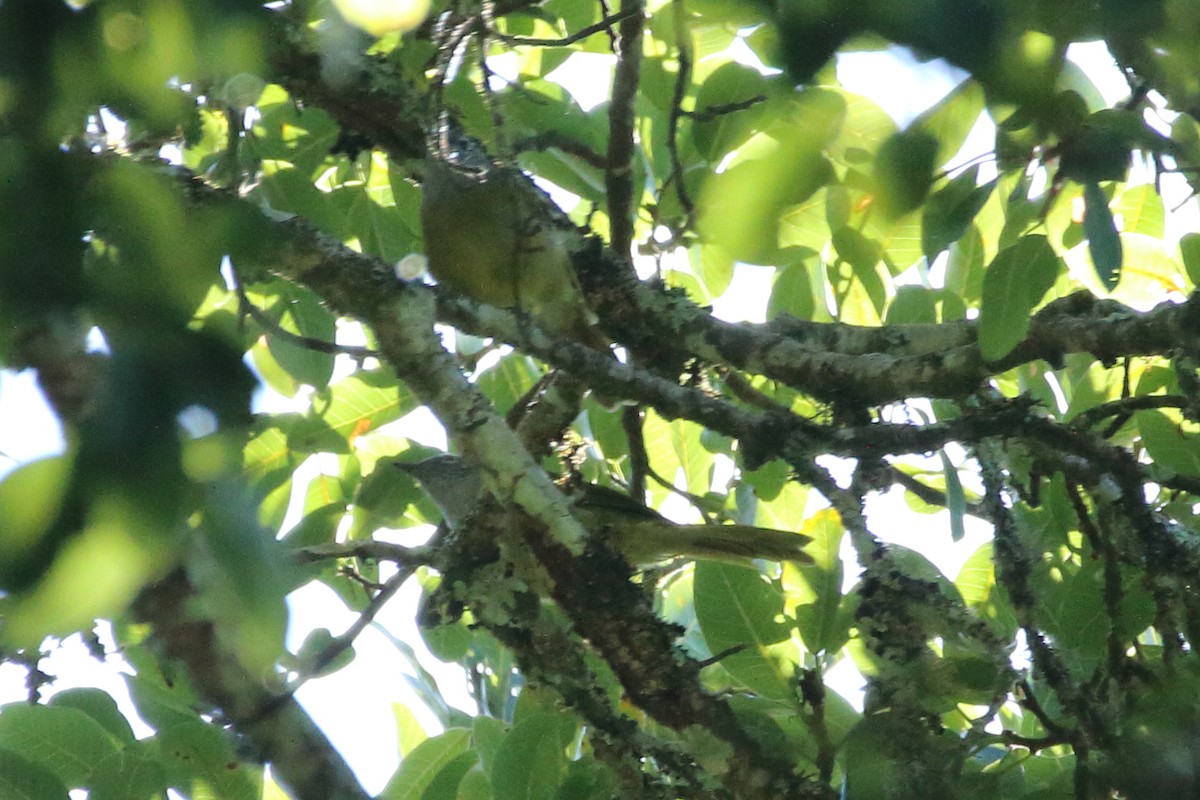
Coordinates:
x,y
829,361
618,175
300,755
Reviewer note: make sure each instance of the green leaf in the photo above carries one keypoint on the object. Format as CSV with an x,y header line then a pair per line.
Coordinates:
x,y
792,292
24,780
728,84
131,775
675,445
314,644
823,615
475,785
912,304
952,118
1189,249
363,402
588,780
530,762
976,582
301,313
486,735
951,210
421,767
863,255
202,751
64,741
956,502
864,129
780,166
1101,149
1141,210
1104,243
714,268
964,269
1013,285
444,785
904,171
31,497
1069,602
738,607
1169,447
409,730
100,706
1073,78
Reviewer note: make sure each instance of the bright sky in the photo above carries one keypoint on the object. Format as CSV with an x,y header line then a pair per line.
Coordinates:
x,y
354,705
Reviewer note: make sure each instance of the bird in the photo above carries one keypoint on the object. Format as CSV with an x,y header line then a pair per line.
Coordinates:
x,y
488,235
643,536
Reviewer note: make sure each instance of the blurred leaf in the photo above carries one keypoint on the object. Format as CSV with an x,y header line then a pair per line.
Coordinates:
x,y
956,502
964,270
912,304
1189,249
131,775
1141,210
780,166
977,583
421,767
1103,241
728,85
951,210
952,118
904,171
31,498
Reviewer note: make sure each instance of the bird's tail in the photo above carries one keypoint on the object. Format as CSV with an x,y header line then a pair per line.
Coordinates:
x,y
734,544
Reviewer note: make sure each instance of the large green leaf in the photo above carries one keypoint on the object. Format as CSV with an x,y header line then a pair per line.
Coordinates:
x,y
21,779
1013,285
65,742
1169,447
421,767
204,754
738,608
531,762
822,614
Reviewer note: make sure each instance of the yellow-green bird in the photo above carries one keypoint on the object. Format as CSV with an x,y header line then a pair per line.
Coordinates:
x,y
640,534
488,236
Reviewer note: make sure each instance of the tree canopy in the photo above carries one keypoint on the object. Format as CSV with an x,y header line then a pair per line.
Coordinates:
x,y
224,194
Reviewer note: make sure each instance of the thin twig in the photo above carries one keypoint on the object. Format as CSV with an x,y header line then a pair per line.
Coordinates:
x,y
255,313
712,112
1126,406
544,141
726,653
604,24
341,643
371,549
